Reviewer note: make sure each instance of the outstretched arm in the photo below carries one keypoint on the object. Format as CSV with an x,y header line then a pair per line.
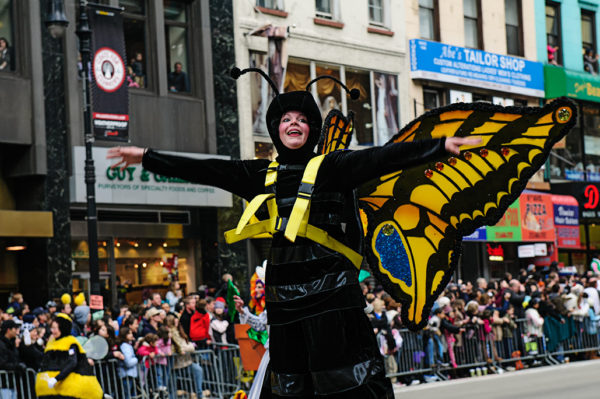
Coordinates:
x,y
351,169
242,178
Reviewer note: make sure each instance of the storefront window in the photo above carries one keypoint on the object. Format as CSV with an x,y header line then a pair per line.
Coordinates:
x,y
566,158
363,107
144,263
432,98
134,30
386,106
176,38
7,56
328,91
260,93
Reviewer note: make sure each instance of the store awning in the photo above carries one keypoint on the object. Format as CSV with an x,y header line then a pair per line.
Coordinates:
x,y
26,224
560,82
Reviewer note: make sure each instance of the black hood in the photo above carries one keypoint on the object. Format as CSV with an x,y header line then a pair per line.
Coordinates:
x,y
301,101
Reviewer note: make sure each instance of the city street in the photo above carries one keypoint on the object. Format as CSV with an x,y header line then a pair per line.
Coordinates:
x,y
574,381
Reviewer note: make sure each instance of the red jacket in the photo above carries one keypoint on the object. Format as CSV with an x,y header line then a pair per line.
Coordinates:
x,y
199,326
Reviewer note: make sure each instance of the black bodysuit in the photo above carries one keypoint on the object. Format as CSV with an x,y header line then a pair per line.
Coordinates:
x,y
321,342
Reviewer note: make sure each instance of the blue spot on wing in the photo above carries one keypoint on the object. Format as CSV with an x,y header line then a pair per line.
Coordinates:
x,y
393,256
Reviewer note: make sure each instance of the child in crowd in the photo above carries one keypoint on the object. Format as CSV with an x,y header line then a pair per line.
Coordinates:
x,y
163,349
127,367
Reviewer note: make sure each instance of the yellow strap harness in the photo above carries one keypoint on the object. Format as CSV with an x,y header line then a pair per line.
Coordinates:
x,y
297,224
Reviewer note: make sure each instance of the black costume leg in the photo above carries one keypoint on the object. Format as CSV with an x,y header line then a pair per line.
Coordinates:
x,y
332,355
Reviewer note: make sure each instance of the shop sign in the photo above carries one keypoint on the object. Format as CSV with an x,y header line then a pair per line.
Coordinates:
x,y
526,251
495,253
476,68
566,221
135,185
574,84
540,249
509,227
478,235
586,194
537,217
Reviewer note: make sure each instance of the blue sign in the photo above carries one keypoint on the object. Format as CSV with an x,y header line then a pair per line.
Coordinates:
x,y
471,67
478,235
566,215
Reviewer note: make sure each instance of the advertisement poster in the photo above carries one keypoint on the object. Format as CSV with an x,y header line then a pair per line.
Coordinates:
x,y
509,227
566,221
537,217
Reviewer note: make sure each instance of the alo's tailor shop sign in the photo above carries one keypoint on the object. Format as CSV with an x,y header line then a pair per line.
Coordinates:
x,y
471,67
135,185
478,235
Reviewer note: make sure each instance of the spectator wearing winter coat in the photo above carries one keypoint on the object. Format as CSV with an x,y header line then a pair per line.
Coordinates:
x,y
127,368
535,322
200,326
593,294
9,356
189,308
151,322
219,324
81,317
184,348
31,349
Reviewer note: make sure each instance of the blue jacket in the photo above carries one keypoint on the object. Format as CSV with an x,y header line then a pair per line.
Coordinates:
x,y
128,367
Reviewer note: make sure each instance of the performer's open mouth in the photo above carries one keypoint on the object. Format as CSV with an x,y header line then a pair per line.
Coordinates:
x,y
294,133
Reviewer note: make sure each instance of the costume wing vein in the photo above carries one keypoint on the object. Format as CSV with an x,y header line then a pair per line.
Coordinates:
x,y
416,218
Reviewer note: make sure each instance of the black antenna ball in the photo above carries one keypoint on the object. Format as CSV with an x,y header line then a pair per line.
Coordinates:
x,y
235,72
354,94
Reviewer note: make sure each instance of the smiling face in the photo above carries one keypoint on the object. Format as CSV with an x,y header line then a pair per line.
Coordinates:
x,y
293,129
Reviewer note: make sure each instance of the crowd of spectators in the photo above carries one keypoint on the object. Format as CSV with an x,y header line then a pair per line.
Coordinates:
x,y
497,320
536,303
139,336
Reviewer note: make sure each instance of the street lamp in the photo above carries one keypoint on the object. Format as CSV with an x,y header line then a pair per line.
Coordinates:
x,y
57,17
56,20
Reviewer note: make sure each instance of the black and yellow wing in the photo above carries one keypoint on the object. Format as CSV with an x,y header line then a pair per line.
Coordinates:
x,y
416,218
337,132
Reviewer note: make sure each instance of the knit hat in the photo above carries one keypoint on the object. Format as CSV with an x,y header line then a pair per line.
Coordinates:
x,y
81,314
79,299
65,298
219,305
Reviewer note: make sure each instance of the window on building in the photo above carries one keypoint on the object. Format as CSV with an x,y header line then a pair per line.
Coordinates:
x,y
553,33
363,107
472,24
272,4
376,12
428,19
134,29
7,56
432,98
260,93
176,38
588,42
386,107
514,37
324,9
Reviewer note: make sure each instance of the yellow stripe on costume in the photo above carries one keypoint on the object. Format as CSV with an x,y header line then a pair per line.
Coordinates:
x,y
74,386
63,344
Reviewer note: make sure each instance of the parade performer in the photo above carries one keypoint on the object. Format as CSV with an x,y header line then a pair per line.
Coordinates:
x,y
65,370
321,342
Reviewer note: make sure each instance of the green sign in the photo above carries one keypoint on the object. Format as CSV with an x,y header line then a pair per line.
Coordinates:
x,y
509,227
565,82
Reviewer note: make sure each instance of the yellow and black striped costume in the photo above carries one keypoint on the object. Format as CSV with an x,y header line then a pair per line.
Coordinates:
x,y
65,360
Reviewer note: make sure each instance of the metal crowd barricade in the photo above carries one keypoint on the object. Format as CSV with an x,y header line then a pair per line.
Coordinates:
x,y
14,384
585,338
230,370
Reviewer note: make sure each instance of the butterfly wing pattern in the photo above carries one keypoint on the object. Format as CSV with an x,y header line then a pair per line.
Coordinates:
x,y
337,132
416,218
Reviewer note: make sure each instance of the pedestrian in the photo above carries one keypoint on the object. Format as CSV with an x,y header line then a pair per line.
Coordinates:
x,y
9,357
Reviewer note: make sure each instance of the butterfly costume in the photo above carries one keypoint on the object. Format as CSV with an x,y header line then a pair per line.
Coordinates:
x,y
321,342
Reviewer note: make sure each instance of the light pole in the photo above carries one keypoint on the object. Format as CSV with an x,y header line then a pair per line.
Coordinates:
x,y
55,20
85,38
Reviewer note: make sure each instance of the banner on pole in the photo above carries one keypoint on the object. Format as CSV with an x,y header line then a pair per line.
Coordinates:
x,y
110,96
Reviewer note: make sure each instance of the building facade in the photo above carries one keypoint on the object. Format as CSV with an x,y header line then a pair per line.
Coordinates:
x,y
145,221
567,42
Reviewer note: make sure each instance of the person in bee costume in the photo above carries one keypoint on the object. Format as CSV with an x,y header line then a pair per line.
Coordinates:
x,y
321,342
65,371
